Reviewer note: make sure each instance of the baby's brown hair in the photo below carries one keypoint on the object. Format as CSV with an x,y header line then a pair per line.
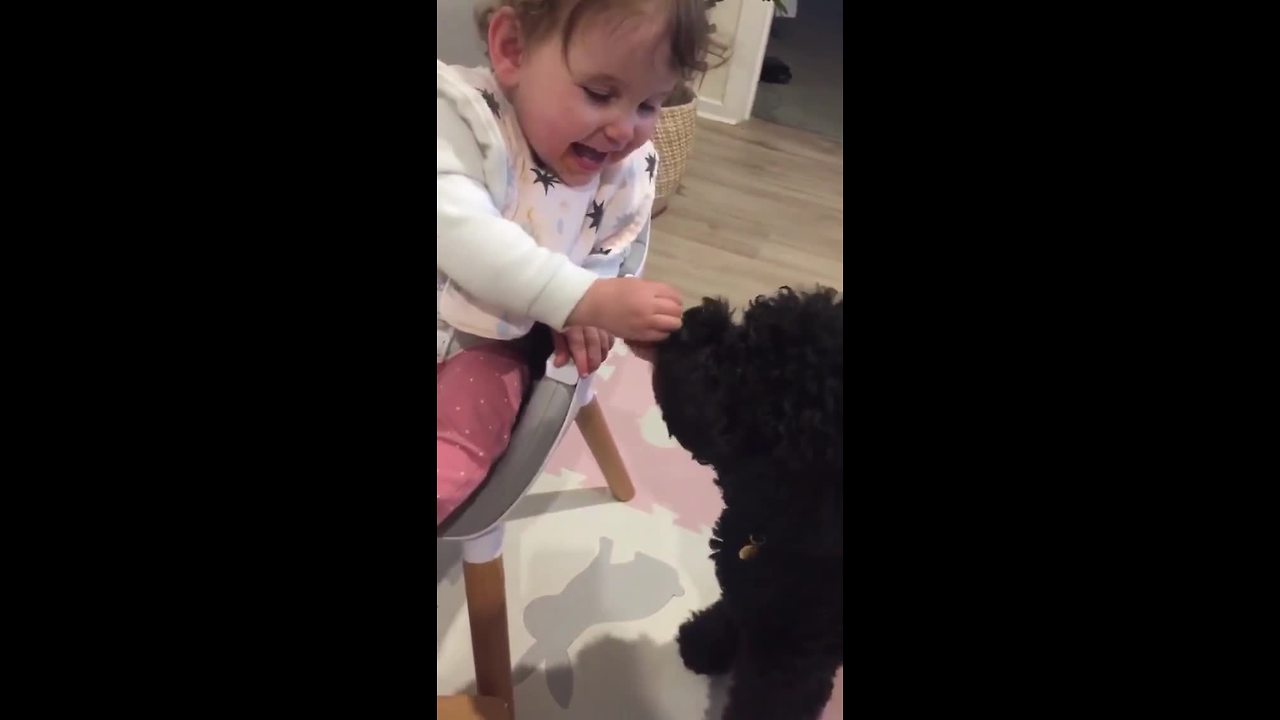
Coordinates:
x,y
691,41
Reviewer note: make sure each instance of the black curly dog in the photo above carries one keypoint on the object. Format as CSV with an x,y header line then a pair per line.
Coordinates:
x,y
762,402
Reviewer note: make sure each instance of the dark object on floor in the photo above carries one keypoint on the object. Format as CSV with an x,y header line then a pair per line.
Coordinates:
x,y
762,402
775,71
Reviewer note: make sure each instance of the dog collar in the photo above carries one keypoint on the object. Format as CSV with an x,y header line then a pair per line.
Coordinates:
x,y
756,541
752,547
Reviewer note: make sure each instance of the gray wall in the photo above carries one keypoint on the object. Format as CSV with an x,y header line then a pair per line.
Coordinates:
x,y
457,39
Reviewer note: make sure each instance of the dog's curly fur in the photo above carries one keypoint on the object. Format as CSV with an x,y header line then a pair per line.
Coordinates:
x,y
762,402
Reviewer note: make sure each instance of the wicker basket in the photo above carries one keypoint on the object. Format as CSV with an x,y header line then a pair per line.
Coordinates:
x,y
674,141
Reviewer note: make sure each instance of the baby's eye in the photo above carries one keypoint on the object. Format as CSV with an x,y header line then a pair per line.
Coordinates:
x,y
599,97
647,109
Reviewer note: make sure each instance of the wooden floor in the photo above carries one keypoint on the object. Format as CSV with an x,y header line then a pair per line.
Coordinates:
x,y
760,206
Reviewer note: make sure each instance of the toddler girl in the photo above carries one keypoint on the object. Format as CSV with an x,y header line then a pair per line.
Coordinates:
x,y
544,176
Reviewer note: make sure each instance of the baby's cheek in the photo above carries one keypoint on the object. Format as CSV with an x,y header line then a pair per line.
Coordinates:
x,y
644,131
642,136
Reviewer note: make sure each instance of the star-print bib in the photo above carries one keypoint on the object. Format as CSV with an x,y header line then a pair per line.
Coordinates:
x,y
592,225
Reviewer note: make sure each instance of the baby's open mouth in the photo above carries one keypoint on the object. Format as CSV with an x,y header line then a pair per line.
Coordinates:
x,y
587,153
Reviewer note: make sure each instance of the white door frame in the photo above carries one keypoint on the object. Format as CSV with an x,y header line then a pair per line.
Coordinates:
x,y
745,61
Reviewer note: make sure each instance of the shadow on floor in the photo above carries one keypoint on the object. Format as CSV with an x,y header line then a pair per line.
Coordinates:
x,y
623,679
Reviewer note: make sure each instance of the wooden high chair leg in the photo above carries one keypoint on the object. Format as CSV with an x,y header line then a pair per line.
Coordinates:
x,y
600,441
486,589
470,707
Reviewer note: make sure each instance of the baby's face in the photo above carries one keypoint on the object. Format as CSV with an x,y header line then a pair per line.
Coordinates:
x,y
595,104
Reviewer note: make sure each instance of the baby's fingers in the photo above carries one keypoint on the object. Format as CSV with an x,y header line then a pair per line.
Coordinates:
x,y
578,347
665,324
595,350
667,306
561,351
651,335
663,290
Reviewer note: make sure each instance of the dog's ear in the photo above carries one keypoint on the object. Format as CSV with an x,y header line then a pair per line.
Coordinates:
x,y
690,381
706,324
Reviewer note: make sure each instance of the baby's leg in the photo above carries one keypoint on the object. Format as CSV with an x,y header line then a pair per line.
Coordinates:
x,y
478,394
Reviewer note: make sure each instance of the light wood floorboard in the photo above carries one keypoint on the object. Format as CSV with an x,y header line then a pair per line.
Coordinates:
x,y
760,206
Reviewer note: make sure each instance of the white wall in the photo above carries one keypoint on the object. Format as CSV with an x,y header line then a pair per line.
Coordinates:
x,y
457,40
724,15
727,93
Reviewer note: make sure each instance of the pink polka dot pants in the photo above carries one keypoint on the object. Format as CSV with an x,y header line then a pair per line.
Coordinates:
x,y
478,393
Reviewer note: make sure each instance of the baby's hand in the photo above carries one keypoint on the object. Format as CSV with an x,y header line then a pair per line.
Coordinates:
x,y
589,347
630,308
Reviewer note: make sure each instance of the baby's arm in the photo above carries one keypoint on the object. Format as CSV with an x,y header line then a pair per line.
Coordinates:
x,y
492,258
497,262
